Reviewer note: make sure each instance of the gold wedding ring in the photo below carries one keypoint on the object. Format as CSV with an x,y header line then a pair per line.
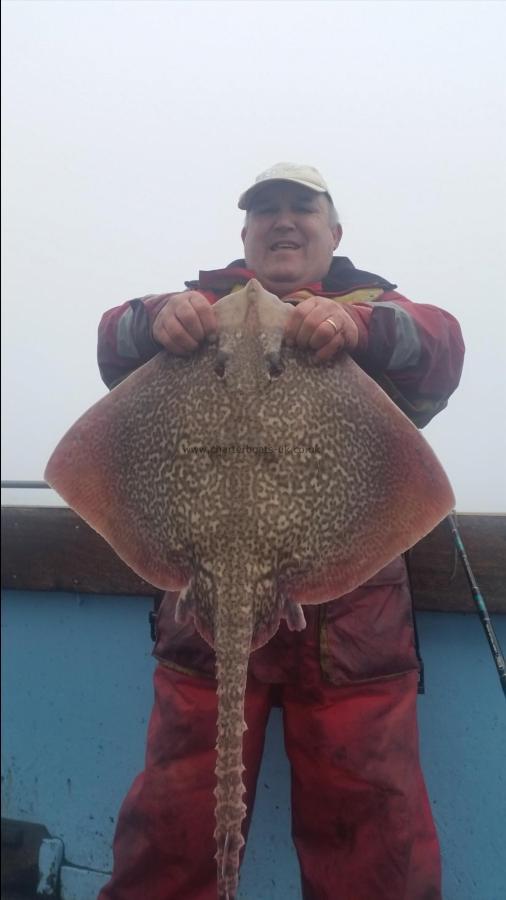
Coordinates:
x,y
334,326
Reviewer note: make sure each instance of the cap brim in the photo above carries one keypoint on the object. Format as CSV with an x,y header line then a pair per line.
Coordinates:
x,y
245,198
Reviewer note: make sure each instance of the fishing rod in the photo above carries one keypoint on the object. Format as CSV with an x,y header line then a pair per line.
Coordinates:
x,y
480,603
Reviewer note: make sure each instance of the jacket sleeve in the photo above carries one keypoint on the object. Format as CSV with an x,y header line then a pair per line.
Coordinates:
x,y
415,351
125,339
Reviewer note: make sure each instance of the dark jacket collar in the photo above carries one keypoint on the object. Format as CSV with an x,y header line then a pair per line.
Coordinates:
x,y
341,277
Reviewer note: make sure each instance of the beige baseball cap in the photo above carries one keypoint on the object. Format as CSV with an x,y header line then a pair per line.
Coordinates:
x,y
285,171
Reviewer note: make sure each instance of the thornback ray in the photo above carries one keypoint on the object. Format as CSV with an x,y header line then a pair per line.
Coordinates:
x,y
255,481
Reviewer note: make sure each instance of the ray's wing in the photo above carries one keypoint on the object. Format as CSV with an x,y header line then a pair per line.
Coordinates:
x,y
376,489
117,467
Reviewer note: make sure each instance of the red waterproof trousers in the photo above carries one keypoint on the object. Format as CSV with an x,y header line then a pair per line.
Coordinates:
x,y
362,824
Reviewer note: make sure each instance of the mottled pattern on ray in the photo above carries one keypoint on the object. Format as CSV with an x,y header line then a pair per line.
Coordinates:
x,y
257,480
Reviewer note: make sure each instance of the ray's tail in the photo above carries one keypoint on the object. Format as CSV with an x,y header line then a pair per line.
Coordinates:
x,y
233,629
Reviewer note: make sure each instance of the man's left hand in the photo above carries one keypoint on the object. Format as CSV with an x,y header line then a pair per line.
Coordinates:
x,y
309,327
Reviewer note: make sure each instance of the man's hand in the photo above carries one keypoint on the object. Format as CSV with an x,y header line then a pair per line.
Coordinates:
x,y
184,322
308,327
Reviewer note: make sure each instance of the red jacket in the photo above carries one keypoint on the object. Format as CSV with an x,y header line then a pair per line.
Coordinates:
x,y
415,352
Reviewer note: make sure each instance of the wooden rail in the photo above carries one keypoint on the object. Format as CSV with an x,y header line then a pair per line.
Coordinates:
x,y
52,549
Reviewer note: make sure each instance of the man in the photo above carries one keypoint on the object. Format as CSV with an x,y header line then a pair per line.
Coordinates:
x,y
362,824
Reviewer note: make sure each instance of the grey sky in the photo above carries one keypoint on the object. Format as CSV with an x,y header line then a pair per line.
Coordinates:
x,y
130,128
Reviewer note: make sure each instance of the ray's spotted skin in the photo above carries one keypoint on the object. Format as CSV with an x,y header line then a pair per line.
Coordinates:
x,y
254,480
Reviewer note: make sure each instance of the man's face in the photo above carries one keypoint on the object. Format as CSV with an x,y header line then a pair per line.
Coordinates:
x,y
288,239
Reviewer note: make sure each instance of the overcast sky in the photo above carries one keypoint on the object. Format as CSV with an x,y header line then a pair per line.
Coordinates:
x,y
130,129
